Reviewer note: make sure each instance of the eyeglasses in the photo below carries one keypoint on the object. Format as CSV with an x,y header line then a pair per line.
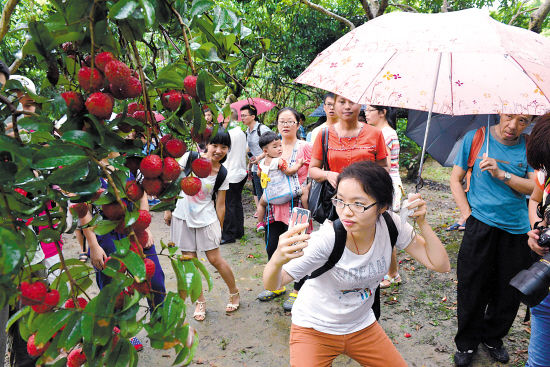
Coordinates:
x,y
245,115
287,123
329,105
354,207
370,109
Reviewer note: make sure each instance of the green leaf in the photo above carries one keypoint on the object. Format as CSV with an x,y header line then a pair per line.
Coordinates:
x,y
123,9
37,123
148,12
204,272
42,38
199,122
131,217
201,6
70,174
79,137
105,226
49,235
163,205
11,254
58,155
192,351
192,279
72,332
16,316
134,263
48,324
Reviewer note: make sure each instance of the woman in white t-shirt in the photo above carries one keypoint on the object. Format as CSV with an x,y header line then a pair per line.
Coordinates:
x,y
333,313
195,224
384,118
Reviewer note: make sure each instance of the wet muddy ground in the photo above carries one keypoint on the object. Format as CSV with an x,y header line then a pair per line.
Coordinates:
x,y
424,306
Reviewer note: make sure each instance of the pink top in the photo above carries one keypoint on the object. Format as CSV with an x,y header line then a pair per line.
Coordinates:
x,y
281,212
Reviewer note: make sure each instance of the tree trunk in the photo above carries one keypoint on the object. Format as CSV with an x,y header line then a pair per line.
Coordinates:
x,y
329,13
538,17
6,16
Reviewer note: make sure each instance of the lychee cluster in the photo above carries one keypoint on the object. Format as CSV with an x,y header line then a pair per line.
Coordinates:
x,y
38,296
143,287
158,172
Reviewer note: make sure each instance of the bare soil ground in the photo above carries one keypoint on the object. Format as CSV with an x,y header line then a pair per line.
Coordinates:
x,y
257,334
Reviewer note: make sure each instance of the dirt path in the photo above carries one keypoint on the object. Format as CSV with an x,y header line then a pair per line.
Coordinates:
x,y
257,334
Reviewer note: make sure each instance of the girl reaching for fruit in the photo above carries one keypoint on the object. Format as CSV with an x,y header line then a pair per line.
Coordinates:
x,y
195,224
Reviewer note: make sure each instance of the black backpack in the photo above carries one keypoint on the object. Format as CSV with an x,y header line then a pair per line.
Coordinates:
x,y
338,249
220,177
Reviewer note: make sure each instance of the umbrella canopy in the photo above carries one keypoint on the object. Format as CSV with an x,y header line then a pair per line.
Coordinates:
x,y
262,105
464,61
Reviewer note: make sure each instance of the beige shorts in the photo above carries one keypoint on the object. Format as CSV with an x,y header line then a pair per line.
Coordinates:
x,y
195,239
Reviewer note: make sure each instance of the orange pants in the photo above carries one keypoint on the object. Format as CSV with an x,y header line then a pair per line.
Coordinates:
x,y
370,347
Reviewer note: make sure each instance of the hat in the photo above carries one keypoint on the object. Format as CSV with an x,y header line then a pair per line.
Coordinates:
x,y
25,82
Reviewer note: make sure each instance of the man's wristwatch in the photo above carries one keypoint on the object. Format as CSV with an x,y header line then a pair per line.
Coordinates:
x,y
507,176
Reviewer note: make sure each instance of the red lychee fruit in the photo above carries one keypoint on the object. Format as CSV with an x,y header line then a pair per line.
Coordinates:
x,y
191,185
186,101
117,92
102,59
133,107
119,301
149,268
152,186
143,287
134,191
133,163
76,358
33,294
50,301
113,211
202,167
175,147
143,221
165,138
190,85
81,303
142,237
171,100
171,169
117,73
74,101
151,166
90,81
100,105
133,88
80,209
121,227
35,350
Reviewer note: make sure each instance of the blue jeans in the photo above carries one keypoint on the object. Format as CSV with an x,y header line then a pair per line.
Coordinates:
x,y
539,344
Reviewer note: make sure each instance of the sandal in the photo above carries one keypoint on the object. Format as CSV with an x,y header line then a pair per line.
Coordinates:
x,y
232,307
200,311
83,257
388,281
456,227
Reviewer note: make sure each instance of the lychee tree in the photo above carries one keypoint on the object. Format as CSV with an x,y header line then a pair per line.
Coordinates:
x,y
106,73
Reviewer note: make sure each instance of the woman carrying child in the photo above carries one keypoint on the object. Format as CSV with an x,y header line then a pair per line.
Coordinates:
x,y
333,313
196,223
279,214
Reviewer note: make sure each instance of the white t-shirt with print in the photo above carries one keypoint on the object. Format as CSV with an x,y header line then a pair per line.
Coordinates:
x,y
340,301
198,211
273,166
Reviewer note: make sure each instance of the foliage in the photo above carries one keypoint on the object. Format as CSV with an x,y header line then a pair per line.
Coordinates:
x,y
43,170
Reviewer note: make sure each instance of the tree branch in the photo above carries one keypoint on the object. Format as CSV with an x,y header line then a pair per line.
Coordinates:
x,y
404,7
186,40
329,13
6,17
538,17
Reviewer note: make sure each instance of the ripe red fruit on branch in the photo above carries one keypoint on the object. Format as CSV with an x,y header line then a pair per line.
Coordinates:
x,y
117,73
143,287
80,209
100,105
74,101
143,221
81,303
134,191
171,100
102,59
149,268
50,301
113,211
202,167
90,81
142,237
133,107
35,350
186,101
152,186
76,358
191,185
170,169
190,85
33,294
151,166
133,88
175,147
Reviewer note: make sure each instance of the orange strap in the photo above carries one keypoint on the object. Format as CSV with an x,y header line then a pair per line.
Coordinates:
x,y
477,143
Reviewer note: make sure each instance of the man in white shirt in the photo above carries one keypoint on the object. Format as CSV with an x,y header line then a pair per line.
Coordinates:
x,y
328,107
233,225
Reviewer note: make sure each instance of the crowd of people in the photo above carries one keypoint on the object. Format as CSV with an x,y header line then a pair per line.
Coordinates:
x,y
337,270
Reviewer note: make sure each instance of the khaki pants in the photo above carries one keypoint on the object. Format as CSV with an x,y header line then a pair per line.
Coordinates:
x,y
370,347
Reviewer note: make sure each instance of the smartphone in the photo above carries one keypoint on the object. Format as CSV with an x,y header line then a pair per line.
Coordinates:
x,y
299,216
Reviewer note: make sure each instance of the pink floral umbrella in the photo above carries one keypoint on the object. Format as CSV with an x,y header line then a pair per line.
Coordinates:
x,y
458,63
262,105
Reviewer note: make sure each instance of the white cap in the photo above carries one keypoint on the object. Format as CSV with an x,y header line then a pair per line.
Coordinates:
x,y
25,82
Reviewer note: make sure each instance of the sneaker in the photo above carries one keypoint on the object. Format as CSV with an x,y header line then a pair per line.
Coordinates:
x,y
269,295
287,305
136,343
499,354
153,201
464,358
260,227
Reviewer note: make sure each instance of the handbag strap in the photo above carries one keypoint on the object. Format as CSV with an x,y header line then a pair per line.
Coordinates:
x,y
324,139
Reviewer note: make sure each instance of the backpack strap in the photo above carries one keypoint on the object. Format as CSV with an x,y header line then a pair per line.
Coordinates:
x,y
392,229
192,156
477,143
220,178
324,139
337,251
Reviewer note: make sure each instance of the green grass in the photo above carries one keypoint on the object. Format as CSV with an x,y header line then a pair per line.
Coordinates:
x,y
434,171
